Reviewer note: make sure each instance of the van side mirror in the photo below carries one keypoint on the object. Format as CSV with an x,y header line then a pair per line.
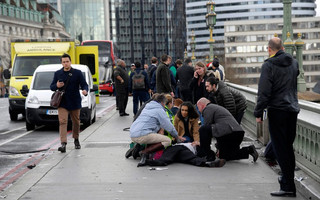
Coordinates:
x,y
94,88
6,74
24,91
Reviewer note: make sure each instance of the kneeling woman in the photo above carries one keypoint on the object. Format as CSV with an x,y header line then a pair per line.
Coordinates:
x,y
186,122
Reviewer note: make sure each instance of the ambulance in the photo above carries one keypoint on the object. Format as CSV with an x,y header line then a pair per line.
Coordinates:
x,y
27,55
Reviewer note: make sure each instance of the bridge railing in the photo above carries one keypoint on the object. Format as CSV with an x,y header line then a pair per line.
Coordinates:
x,y
307,142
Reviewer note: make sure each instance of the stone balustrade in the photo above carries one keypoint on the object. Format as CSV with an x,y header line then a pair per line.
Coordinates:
x,y
20,13
307,142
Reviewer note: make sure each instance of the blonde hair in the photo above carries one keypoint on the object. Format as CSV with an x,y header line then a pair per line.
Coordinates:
x,y
202,65
169,99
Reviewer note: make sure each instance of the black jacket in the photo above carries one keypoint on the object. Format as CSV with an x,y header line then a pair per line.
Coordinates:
x,y
278,84
184,76
163,79
121,87
199,90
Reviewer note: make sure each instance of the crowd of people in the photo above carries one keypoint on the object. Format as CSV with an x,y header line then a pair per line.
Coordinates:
x,y
191,105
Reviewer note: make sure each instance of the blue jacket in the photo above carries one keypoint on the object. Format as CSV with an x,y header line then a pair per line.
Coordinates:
x,y
71,100
152,118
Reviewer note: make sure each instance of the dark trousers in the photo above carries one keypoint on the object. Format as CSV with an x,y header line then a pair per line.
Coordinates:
x,y
186,94
122,102
282,127
229,145
139,95
239,117
177,153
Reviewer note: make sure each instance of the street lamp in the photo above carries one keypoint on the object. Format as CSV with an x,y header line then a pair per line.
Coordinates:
x,y
211,21
193,46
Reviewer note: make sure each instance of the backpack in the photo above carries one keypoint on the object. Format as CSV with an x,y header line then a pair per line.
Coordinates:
x,y
138,81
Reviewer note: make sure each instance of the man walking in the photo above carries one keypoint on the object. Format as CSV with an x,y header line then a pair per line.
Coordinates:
x,y
277,91
69,79
163,77
122,86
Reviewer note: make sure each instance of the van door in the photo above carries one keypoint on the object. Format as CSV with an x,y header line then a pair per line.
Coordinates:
x,y
89,55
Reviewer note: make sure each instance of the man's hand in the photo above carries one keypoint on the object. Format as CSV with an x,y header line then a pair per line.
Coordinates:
x,y
60,84
195,143
172,94
258,120
84,92
181,139
195,74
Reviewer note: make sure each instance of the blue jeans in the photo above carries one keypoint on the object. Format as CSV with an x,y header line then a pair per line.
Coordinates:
x,y
139,95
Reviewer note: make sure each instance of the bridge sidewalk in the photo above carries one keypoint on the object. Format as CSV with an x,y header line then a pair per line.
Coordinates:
x,y
100,171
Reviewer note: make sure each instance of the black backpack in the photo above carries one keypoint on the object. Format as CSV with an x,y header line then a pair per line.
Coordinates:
x,y
138,81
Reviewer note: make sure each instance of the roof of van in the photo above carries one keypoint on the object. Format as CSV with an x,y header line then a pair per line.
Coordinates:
x,y
55,67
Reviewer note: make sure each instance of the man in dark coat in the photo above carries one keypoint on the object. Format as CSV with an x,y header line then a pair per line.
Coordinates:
x,y
184,77
71,100
277,91
226,97
122,86
163,77
219,123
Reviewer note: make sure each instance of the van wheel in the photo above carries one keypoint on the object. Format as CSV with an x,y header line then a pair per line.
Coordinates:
x,y
13,116
29,126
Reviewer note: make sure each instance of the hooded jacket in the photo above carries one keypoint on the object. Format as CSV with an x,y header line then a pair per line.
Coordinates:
x,y
152,118
278,84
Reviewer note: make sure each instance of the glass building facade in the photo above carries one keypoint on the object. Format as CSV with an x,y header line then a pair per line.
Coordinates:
x,y
85,19
235,10
246,47
146,28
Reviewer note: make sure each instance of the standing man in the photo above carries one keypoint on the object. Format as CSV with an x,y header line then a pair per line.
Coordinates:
x,y
71,100
184,77
219,123
277,91
122,86
139,86
163,77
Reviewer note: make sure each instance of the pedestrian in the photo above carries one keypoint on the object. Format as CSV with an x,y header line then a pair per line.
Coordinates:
x,y
70,80
186,122
197,84
184,78
122,86
232,100
139,86
163,77
144,130
153,67
218,73
145,67
219,123
277,91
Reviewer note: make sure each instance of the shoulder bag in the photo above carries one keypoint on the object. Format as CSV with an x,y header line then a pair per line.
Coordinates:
x,y
58,94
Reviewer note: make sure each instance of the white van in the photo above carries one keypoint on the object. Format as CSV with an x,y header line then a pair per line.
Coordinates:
x,y
38,109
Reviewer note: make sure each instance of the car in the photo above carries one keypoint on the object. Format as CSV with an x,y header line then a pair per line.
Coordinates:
x,y
37,106
106,87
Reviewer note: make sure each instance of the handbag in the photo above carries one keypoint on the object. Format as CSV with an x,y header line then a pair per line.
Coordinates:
x,y
58,94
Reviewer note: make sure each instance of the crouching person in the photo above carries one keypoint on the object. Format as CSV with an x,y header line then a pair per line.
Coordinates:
x,y
219,123
144,129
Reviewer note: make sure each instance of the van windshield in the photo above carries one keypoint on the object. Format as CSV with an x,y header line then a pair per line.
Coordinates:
x,y
42,80
26,65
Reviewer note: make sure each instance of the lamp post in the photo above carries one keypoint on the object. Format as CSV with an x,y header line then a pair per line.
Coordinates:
x,y
193,46
211,21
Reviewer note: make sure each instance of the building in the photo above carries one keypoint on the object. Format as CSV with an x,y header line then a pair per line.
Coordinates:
x,y
235,10
246,47
85,19
142,29
27,19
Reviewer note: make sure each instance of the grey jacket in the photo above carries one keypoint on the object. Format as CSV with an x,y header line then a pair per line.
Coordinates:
x,y
221,120
163,80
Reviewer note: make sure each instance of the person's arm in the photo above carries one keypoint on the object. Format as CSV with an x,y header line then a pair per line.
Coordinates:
x,y
166,79
195,130
228,101
53,85
166,124
83,84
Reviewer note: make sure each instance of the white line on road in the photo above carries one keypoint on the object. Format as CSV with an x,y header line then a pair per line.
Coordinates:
x,y
12,130
17,137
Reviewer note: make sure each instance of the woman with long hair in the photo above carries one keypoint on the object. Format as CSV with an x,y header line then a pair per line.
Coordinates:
x,y
186,122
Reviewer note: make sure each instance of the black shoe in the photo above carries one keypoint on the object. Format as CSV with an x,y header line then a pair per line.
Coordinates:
x,y
62,149
129,153
117,108
136,150
77,144
124,114
143,160
216,163
253,153
282,193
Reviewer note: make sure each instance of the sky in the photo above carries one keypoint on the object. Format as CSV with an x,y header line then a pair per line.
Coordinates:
x,y
318,7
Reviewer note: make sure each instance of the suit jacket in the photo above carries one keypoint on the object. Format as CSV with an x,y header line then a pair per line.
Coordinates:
x,y
220,120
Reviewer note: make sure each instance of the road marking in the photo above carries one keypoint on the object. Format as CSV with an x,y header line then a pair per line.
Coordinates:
x,y
16,138
12,130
